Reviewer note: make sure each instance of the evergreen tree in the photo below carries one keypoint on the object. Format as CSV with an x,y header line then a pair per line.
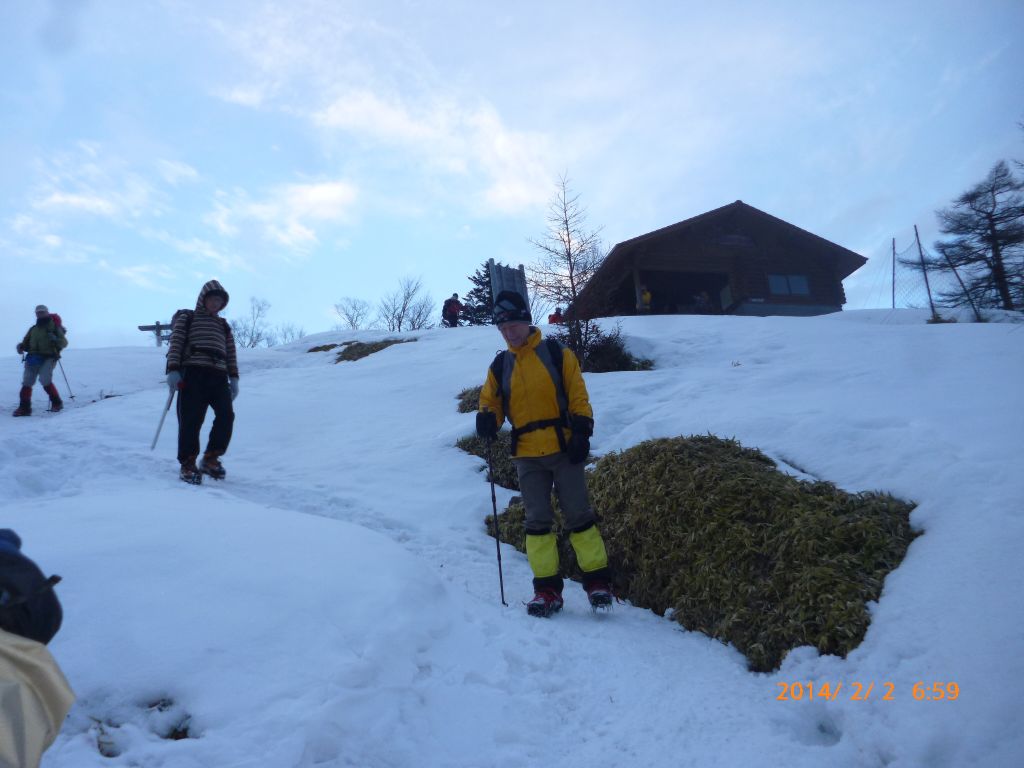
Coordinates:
x,y
985,230
479,304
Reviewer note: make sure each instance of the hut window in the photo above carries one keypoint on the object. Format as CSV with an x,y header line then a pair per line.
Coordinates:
x,y
789,285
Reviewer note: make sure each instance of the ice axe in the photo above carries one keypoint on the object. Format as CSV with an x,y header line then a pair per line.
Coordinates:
x,y
170,399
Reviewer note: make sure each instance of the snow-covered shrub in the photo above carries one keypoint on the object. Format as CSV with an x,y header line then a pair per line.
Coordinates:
x,y
602,352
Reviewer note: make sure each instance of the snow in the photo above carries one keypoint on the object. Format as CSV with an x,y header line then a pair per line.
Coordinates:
x,y
335,600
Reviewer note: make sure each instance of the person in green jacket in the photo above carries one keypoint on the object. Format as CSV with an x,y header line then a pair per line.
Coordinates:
x,y
41,346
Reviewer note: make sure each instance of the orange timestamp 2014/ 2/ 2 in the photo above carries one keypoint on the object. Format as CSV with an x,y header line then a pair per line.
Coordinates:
x,y
858,691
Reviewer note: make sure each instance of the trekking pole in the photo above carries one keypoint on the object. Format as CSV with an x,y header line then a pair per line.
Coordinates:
x,y
68,383
494,505
170,398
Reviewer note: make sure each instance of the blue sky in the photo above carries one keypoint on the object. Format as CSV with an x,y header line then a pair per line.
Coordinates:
x,y
308,150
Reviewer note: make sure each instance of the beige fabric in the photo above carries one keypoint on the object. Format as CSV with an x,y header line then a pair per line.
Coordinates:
x,y
34,700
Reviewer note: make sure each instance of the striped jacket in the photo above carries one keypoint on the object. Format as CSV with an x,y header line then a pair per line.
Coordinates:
x,y
206,341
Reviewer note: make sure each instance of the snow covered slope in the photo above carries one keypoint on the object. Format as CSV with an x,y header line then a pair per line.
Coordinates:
x,y
335,601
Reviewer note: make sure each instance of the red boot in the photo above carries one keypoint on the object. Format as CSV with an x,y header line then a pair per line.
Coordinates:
x,y
56,404
25,407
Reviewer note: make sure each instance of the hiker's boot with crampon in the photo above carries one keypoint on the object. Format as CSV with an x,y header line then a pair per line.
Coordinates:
x,y
24,402
599,593
210,465
190,472
545,603
56,404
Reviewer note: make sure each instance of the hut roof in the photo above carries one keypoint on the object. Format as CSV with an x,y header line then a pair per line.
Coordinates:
x,y
846,260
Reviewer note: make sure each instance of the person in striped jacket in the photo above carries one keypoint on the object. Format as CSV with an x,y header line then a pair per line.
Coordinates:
x,y
202,365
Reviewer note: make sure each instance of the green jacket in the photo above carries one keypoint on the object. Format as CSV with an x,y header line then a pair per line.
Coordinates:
x,y
38,342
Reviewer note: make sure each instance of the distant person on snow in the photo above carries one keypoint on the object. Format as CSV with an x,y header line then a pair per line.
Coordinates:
x,y
555,318
34,694
202,364
450,311
537,385
41,347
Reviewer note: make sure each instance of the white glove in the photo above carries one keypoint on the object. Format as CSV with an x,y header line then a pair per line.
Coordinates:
x,y
174,380
233,383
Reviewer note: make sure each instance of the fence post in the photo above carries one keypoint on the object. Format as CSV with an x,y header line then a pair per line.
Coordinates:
x,y
924,271
894,273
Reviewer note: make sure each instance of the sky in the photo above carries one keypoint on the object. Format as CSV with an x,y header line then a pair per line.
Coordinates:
x,y
305,151
335,601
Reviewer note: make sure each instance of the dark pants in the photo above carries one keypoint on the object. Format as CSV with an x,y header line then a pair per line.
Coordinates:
x,y
452,321
204,388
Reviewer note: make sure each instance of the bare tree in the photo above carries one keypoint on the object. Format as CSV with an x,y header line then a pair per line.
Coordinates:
x,y
406,308
570,254
252,330
353,312
286,333
540,307
1020,163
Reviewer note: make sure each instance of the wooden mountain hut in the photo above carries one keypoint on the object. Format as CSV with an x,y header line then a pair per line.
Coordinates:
x,y
734,260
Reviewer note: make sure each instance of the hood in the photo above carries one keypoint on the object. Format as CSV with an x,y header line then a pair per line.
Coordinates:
x,y
211,287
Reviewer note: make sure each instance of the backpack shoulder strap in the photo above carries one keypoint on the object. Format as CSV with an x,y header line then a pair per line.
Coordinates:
x,y
187,314
498,371
496,365
547,353
551,356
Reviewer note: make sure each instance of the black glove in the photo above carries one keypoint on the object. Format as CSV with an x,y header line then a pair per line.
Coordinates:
x,y
21,348
486,425
579,444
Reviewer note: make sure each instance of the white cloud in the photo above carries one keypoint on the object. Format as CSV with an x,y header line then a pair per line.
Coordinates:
x,y
174,172
244,95
373,82
92,181
46,243
289,214
197,247
453,139
150,276
366,113
85,203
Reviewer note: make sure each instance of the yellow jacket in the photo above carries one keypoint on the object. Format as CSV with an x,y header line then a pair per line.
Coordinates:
x,y
533,397
34,700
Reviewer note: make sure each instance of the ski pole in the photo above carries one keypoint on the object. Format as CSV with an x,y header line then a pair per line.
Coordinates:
x,y
70,394
494,505
170,398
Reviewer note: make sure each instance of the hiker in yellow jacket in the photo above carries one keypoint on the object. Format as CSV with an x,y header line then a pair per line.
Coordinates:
x,y
34,696
537,385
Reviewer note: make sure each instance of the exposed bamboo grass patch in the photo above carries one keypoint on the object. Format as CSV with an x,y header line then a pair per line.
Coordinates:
x,y
713,534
